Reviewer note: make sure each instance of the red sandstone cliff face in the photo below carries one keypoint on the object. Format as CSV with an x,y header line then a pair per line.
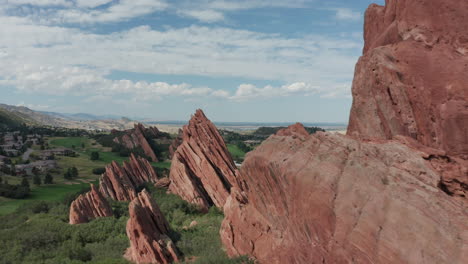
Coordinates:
x,y
136,138
89,206
202,170
412,79
120,183
394,192
328,198
147,230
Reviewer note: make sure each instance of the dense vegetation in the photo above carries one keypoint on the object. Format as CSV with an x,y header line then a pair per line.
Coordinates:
x,y
159,144
236,142
38,232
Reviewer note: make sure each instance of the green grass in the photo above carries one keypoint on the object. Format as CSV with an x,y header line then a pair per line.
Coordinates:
x,y
69,142
54,192
162,164
235,151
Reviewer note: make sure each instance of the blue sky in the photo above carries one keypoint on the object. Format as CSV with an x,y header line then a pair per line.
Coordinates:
x,y
250,61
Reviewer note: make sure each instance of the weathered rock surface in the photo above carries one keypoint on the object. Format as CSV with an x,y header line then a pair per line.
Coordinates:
x,y
394,190
412,79
89,206
202,170
120,182
147,230
137,137
328,198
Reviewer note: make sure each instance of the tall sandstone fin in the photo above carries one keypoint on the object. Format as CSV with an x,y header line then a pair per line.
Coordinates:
x,y
148,230
89,206
202,170
395,189
120,182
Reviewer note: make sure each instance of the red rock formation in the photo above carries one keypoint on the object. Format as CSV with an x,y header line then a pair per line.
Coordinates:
x,y
394,192
328,198
137,137
412,79
202,170
147,230
89,206
120,183
176,143
294,130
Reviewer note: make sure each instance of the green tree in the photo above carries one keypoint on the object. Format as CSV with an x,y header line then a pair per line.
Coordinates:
x,y
13,170
82,145
74,172
48,179
25,182
35,171
37,179
94,155
67,175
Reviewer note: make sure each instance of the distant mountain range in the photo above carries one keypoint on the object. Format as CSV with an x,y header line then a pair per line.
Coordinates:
x,y
14,115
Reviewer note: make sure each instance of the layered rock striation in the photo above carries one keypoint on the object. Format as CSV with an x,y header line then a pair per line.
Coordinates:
x,y
89,206
412,78
121,182
148,232
394,190
329,198
137,138
202,170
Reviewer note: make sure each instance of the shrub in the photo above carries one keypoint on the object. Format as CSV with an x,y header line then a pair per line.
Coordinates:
x,y
99,171
48,179
94,155
37,180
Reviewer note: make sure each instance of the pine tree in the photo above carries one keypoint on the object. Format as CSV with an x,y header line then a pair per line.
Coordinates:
x,y
37,179
48,179
25,182
74,172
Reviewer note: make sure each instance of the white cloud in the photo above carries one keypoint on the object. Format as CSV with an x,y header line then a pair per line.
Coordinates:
x,y
91,3
347,14
37,2
123,10
207,16
249,91
50,59
250,4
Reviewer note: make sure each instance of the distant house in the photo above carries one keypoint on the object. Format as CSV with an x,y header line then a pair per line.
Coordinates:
x,y
57,152
252,142
43,166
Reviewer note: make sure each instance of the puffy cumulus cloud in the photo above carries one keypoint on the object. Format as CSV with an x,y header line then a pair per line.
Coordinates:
x,y
210,11
37,2
122,10
80,81
54,59
207,16
347,14
91,3
249,91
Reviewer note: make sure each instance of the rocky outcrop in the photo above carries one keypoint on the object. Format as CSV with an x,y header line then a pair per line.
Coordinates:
x,y
148,232
412,78
89,206
392,191
329,198
202,170
137,138
120,182
176,143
